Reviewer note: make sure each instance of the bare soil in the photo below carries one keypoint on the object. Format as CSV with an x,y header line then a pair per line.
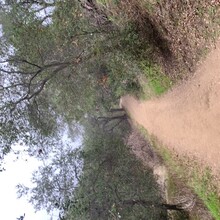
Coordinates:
x,y
187,118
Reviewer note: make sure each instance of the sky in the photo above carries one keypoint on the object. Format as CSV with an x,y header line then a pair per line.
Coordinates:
x,y
18,171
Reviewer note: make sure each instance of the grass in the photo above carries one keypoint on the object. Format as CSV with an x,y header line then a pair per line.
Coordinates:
x,y
162,37
190,173
205,189
186,32
180,28
153,81
200,181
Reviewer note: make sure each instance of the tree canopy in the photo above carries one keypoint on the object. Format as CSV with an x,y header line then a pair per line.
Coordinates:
x,y
64,63
111,178
65,67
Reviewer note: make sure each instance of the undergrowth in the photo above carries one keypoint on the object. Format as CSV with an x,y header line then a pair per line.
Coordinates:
x,y
191,175
156,80
169,37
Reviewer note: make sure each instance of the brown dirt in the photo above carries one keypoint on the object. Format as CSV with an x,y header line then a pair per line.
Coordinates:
x,y
187,118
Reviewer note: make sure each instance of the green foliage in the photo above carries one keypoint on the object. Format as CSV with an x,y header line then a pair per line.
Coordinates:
x,y
207,192
156,80
43,64
200,181
69,22
54,182
123,75
40,118
111,175
26,33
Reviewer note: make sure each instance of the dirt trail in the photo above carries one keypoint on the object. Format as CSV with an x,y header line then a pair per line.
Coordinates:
x,y
187,118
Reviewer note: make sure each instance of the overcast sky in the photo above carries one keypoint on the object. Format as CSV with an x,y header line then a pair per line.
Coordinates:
x,y
18,172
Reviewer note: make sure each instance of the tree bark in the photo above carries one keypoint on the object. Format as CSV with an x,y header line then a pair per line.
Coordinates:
x,y
152,204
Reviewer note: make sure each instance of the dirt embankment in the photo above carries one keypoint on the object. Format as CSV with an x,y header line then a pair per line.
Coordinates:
x,y
187,118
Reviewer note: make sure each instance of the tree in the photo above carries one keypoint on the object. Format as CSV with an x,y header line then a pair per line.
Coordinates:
x,y
41,10
113,120
56,70
21,82
32,62
112,178
55,181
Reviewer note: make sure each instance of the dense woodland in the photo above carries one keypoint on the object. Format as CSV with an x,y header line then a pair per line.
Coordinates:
x,y
64,64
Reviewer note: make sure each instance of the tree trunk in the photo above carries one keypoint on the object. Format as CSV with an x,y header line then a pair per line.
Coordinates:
x,y
152,204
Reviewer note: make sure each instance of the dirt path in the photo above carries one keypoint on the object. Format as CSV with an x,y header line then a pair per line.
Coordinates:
x,y
187,119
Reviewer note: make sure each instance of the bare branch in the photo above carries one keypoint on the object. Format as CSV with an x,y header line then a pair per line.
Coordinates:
x,y
14,72
2,88
76,172
106,121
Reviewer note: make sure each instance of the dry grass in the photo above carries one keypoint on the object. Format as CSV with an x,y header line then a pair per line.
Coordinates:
x,y
188,177
190,27
178,31
177,191
188,183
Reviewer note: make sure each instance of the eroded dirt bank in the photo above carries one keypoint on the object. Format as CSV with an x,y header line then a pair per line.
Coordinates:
x,y
187,118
